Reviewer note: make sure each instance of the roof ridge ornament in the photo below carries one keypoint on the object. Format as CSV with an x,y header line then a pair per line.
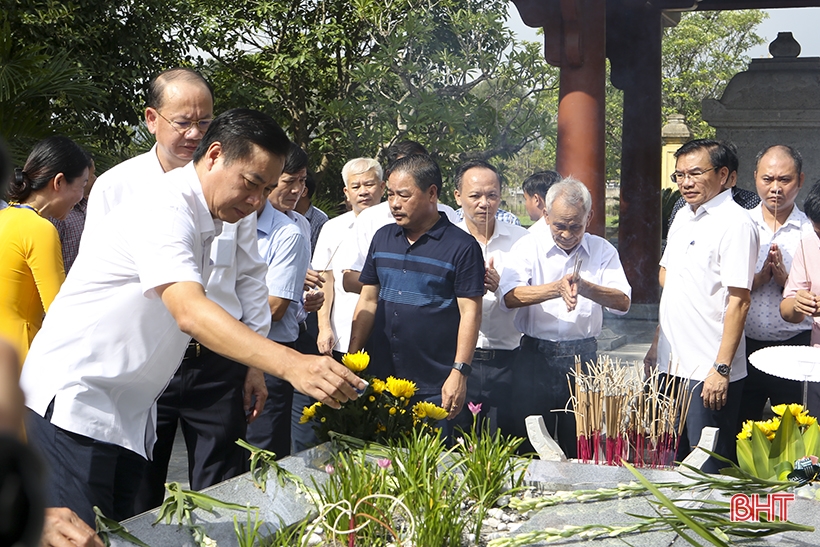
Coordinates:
x,y
784,46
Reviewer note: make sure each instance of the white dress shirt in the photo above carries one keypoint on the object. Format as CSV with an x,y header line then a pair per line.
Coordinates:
x,y
335,241
368,223
109,346
539,227
537,260
706,253
237,279
498,330
763,321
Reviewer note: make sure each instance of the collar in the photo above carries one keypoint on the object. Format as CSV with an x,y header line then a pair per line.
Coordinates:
x,y
794,220
553,248
720,199
436,232
204,217
501,229
269,219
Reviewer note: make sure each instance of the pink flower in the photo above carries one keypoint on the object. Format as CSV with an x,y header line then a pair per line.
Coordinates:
x,y
475,408
329,469
384,463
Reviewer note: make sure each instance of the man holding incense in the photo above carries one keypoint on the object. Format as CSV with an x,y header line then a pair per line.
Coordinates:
x,y
706,273
561,279
778,178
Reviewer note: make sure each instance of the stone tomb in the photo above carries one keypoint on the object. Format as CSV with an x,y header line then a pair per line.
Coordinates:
x,y
287,505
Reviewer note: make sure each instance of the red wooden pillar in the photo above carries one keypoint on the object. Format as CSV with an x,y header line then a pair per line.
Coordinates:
x,y
575,41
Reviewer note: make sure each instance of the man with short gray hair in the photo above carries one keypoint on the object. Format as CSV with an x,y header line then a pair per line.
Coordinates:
x,y
561,280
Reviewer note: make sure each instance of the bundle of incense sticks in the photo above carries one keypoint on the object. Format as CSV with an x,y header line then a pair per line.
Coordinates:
x,y
620,416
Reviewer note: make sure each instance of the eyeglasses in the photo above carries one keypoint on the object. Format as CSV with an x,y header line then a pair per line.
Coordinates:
x,y
678,177
183,127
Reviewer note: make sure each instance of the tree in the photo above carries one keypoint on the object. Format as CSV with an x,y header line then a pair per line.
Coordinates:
x,y
112,48
348,78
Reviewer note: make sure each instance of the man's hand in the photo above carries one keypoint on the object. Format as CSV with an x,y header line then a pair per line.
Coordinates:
x,y
805,302
327,381
325,341
715,390
314,300
254,387
491,277
569,291
63,528
775,259
314,280
453,393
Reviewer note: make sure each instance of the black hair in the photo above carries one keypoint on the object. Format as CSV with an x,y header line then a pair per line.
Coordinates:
x,y
237,129
156,87
721,154
458,176
310,184
296,160
539,183
812,204
424,170
402,149
49,157
795,155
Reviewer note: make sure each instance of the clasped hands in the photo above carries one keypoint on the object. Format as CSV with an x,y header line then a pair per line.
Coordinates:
x,y
773,267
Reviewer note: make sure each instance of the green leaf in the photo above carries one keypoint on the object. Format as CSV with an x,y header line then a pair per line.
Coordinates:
x,y
788,442
811,440
107,526
761,447
677,511
745,457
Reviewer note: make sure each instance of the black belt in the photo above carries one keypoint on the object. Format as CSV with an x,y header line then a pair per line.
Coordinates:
x,y
490,354
195,350
567,347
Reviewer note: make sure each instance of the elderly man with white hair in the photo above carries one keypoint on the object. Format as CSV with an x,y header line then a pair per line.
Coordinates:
x,y
561,307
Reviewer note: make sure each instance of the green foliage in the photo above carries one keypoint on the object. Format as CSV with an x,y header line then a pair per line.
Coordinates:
x,y
263,463
700,55
107,527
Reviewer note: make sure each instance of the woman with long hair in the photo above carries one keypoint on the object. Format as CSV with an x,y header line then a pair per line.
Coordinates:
x,y
31,262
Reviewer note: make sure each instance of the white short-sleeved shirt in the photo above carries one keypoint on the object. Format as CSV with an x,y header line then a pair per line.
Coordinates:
x,y
498,330
237,279
109,346
539,227
706,253
335,241
537,260
368,223
763,321
286,251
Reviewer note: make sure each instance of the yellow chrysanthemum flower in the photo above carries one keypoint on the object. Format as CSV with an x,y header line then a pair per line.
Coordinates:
x,y
746,432
392,411
424,409
794,408
356,362
378,385
400,387
805,419
779,409
769,427
309,412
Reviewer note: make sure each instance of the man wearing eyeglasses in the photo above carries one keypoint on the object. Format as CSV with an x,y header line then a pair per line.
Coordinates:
x,y
706,273
209,396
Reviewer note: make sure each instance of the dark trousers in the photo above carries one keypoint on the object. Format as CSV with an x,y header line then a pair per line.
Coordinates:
x,y
302,435
724,419
489,384
539,386
761,386
271,430
205,397
83,472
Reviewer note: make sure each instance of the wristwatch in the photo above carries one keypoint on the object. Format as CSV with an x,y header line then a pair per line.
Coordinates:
x,y
722,369
463,368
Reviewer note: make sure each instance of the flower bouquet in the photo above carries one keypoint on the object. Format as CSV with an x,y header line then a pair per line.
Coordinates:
x,y
380,414
785,447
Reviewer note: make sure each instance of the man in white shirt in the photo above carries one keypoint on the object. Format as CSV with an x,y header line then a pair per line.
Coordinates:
x,y
778,178
706,273
535,188
122,320
209,396
478,192
560,313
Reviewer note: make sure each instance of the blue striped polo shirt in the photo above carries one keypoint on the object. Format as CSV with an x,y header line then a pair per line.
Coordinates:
x,y
416,325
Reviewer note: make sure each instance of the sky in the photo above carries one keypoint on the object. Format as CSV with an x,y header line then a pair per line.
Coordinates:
x,y
802,22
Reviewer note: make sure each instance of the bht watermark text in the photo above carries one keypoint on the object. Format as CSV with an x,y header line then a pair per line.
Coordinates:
x,y
745,507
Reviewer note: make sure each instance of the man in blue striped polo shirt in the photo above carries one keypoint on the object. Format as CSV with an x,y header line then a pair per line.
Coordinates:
x,y
420,306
